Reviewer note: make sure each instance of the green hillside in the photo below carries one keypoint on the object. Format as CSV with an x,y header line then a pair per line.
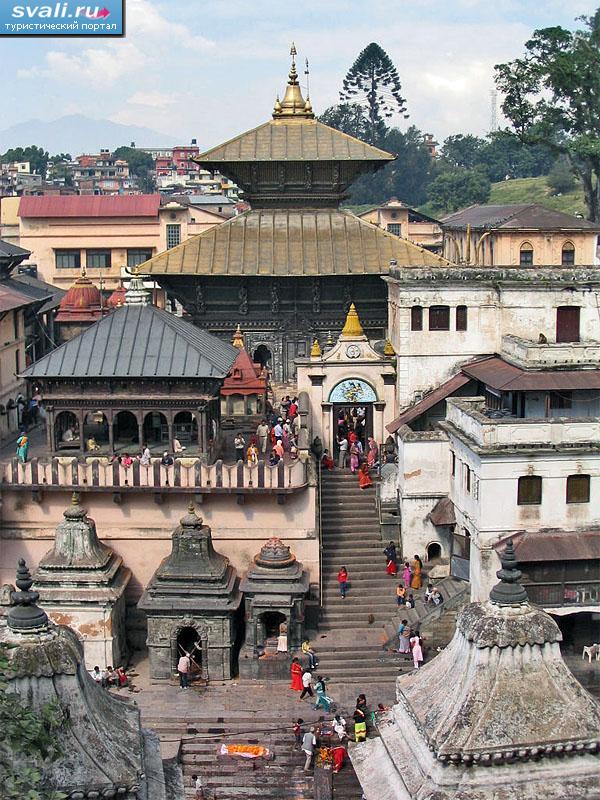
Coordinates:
x,y
535,190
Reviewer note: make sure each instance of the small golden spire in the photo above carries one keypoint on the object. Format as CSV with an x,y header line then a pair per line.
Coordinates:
x,y
352,326
315,350
388,349
293,103
74,499
238,337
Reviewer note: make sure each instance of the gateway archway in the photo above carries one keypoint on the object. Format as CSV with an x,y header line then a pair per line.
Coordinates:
x,y
352,404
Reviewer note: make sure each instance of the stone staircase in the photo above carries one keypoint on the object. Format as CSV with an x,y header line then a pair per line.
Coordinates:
x,y
226,778
352,637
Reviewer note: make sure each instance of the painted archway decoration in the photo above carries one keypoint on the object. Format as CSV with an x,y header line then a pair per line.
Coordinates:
x,y
353,390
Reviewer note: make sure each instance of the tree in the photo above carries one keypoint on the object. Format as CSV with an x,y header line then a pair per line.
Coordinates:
x,y
373,82
347,117
503,153
141,164
561,178
28,742
552,97
463,150
38,158
457,188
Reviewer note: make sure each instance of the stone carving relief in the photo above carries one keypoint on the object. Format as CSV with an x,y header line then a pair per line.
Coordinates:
x,y
243,298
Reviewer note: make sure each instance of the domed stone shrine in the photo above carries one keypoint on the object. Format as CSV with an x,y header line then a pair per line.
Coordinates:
x,y
274,590
80,307
192,603
82,583
497,714
105,753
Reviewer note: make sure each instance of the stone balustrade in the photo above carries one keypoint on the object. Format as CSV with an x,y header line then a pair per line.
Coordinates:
x,y
466,415
186,474
529,354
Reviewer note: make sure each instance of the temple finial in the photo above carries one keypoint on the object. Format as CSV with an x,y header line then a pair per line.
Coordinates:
x,y
238,338
315,350
24,615
352,326
509,591
293,103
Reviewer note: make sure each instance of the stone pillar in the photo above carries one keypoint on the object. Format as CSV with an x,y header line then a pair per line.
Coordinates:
x,y
139,415
202,432
378,429
81,418
50,439
111,431
169,416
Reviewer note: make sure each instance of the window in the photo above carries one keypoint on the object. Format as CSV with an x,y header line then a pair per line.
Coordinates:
x,y
16,324
453,462
526,254
395,228
17,362
416,318
461,318
578,489
137,257
529,491
468,478
67,259
97,259
568,254
439,318
559,401
173,235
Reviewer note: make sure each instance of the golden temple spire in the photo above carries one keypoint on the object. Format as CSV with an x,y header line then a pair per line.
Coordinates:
x,y
293,103
238,338
352,326
315,350
388,349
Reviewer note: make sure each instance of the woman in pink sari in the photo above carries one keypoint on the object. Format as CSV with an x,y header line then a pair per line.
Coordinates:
x,y
354,453
406,574
373,453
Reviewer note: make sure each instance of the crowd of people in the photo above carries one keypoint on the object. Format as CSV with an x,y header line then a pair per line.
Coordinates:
x,y
110,677
275,437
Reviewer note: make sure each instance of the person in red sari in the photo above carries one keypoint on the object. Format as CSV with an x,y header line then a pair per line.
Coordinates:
x,y
327,460
364,479
339,756
296,671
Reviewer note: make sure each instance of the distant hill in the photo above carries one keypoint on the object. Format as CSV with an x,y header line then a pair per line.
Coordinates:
x,y
535,190
77,134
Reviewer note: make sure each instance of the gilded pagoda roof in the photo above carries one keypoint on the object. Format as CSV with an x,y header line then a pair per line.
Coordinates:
x,y
288,241
293,139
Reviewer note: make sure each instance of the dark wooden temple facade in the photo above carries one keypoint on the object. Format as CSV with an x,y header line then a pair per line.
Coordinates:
x,y
288,269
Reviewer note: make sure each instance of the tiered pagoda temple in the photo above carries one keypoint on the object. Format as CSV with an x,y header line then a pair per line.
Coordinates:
x,y
289,268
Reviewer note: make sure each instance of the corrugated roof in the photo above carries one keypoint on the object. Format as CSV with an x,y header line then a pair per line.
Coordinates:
x,y
293,140
291,242
8,250
532,547
437,395
143,205
11,298
138,342
499,374
39,290
517,216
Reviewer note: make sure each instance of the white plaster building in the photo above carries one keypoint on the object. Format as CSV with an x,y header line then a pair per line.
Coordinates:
x,y
444,317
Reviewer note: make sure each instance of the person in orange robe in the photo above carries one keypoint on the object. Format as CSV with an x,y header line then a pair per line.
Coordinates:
x,y
416,581
364,479
296,670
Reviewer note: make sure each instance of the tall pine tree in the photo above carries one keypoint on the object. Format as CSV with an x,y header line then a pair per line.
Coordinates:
x,y
373,82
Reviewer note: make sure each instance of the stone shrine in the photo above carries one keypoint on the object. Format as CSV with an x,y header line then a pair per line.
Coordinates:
x,y
82,583
495,714
274,588
192,603
104,750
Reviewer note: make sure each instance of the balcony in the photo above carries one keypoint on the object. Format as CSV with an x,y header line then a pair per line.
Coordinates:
x,y
467,417
531,355
558,594
192,475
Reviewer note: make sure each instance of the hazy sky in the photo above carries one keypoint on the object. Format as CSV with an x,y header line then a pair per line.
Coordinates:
x,y
212,69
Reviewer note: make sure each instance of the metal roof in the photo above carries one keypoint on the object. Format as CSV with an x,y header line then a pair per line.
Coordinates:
x,y
11,298
8,250
296,242
144,205
517,216
293,140
437,395
556,545
39,290
443,512
138,342
503,376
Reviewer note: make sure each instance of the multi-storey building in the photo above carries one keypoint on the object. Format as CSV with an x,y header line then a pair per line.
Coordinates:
x,y
102,173
106,235
397,218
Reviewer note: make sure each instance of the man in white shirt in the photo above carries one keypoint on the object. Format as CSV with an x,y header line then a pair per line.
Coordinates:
x,y
183,668
309,743
343,445
306,683
197,786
